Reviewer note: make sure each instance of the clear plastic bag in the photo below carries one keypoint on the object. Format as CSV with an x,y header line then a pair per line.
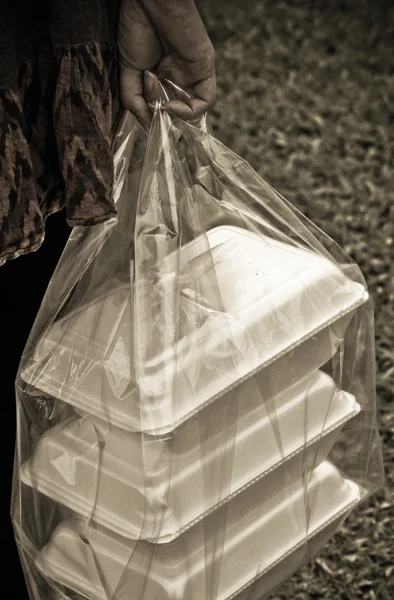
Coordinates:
x,y
196,401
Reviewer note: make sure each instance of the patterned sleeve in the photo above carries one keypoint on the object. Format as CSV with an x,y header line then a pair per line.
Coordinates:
x,y
58,112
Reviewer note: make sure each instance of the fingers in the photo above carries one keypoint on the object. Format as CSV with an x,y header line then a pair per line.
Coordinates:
x,y
186,112
145,30
139,49
139,92
191,108
153,90
131,95
179,23
138,43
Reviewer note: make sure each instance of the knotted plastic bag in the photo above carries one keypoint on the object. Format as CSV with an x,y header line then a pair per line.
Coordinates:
x,y
196,401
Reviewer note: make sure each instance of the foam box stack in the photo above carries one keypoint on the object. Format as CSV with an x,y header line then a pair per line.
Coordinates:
x,y
286,311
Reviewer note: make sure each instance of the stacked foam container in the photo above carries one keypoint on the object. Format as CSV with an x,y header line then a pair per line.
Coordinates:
x,y
141,478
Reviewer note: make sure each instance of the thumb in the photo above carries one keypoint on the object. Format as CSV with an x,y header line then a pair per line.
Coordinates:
x,y
153,90
131,94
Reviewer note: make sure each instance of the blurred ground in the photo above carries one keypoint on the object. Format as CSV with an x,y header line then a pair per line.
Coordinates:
x,y
306,95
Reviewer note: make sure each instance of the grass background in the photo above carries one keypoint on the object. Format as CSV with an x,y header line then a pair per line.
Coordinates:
x,y
306,95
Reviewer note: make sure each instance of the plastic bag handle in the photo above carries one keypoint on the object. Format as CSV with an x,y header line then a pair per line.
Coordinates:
x,y
170,88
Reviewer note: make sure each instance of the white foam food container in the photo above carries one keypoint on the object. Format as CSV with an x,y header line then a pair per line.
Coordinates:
x,y
275,298
264,528
156,488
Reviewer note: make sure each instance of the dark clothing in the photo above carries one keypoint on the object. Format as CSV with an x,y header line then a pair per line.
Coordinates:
x,y
58,113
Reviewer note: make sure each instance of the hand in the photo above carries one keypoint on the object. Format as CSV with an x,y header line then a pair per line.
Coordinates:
x,y
168,38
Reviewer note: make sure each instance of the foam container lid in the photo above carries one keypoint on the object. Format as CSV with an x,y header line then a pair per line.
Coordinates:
x,y
101,565
155,488
275,298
